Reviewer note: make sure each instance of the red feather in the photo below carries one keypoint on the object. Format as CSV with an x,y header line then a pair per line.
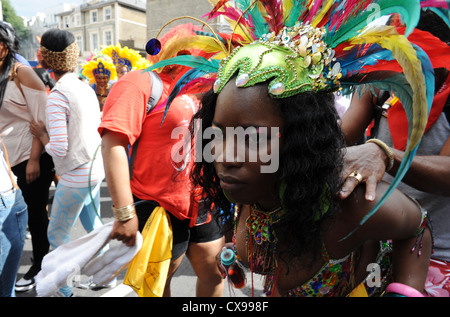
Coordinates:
x,y
219,4
274,9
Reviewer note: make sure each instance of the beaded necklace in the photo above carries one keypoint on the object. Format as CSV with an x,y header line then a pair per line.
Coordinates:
x,y
261,243
261,237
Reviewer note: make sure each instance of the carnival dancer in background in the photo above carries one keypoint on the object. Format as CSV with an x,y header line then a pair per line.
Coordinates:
x,y
100,71
125,59
71,138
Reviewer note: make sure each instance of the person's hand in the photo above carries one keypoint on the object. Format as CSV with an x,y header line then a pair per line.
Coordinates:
x,y
38,129
32,171
125,231
370,162
222,271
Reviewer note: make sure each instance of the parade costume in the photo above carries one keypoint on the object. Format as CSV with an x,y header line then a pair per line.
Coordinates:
x,y
100,67
124,56
319,46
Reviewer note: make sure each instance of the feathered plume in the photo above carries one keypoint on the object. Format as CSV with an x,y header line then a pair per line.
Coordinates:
x,y
358,47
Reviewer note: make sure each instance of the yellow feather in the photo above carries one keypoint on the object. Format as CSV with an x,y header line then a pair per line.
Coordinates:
x,y
404,53
287,8
204,43
322,13
240,30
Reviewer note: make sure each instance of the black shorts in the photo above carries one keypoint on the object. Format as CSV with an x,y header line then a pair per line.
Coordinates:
x,y
182,233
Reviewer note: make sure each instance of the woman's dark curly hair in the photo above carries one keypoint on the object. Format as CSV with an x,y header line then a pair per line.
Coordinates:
x,y
9,38
310,166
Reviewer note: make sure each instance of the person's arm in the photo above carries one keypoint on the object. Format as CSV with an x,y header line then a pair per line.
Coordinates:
x,y
398,219
430,173
55,140
27,77
368,159
358,116
33,168
117,174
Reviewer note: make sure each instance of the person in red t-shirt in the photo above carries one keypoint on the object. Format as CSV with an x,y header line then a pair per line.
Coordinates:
x,y
156,179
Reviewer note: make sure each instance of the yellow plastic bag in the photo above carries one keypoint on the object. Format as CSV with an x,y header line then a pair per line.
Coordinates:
x,y
147,273
359,291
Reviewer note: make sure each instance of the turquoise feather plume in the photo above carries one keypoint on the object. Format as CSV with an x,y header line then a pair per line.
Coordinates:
x,y
397,83
352,25
198,62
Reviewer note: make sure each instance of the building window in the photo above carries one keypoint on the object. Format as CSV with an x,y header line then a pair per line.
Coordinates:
x,y
77,20
66,22
94,16
107,13
94,42
108,38
80,42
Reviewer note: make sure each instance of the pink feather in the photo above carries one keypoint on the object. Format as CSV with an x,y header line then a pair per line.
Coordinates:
x,y
435,3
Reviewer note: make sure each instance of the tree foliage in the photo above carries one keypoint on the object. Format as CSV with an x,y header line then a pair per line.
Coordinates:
x,y
10,16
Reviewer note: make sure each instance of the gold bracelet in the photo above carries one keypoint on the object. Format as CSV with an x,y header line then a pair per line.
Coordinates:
x,y
124,213
386,150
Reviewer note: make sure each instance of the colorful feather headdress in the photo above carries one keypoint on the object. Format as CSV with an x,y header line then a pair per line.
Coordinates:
x,y
99,65
325,45
124,56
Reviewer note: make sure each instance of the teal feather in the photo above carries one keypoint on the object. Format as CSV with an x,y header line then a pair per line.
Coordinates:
x,y
189,77
298,9
259,24
443,14
198,62
200,65
409,9
398,84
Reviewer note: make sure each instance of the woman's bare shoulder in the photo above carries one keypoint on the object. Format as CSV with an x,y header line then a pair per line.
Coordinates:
x,y
28,77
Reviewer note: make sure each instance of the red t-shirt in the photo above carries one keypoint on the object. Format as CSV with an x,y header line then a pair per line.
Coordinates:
x,y
156,176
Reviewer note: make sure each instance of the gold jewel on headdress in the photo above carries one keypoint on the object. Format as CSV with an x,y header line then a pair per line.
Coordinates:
x,y
296,58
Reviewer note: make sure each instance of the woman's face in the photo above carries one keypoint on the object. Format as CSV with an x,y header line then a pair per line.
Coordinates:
x,y
121,70
246,159
102,80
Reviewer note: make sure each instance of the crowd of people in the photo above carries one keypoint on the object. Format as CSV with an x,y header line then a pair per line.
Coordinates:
x,y
351,189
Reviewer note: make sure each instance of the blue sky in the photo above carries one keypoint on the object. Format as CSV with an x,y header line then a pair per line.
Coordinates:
x,y
29,8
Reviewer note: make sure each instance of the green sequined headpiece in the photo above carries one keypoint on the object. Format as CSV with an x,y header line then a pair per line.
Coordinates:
x,y
313,45
297,59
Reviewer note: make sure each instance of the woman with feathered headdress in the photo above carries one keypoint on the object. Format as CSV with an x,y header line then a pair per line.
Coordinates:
x,y
100,71
275,81
125,59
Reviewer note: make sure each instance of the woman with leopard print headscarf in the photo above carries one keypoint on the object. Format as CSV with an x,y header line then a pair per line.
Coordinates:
x,y
71,138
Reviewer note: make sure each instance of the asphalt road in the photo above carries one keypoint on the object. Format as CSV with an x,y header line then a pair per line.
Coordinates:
x,y
183,283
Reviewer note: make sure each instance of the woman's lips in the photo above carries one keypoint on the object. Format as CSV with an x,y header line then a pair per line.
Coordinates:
x,y
230,184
